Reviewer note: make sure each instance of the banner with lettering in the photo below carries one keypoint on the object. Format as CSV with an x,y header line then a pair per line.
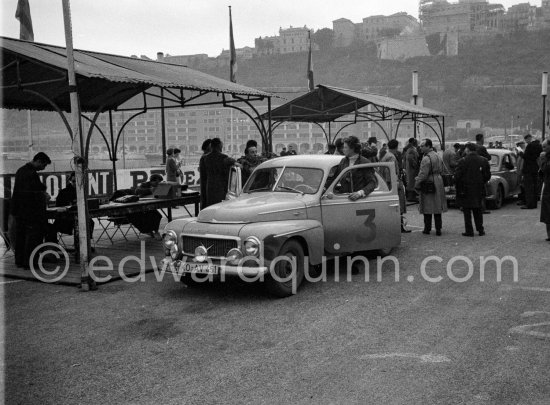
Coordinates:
x,y
100,182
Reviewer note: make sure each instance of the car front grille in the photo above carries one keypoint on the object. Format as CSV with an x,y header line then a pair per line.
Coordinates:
x,y
216,247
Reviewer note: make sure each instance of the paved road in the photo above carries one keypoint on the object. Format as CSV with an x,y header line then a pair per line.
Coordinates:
x,y
387,342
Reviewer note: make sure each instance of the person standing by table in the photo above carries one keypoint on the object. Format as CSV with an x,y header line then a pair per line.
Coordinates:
x,y
214,173
545,198
171,166
205,151
434,203
66,197
28,206
471,174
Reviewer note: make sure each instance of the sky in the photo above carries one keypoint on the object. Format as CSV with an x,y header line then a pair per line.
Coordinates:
x,y
186,27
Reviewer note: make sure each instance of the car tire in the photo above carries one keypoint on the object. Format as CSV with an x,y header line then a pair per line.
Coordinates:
x,y
293,250
499,198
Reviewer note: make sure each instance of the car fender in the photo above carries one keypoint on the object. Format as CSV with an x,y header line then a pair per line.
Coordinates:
x,y
177,225
495,182
274,234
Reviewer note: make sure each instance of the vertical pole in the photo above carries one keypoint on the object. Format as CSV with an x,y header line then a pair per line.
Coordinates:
x,y
415,97
544,92
162,126
29,130
113,150
443,134
269,129
80,162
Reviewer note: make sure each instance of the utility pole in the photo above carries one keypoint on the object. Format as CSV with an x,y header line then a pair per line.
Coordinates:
x,y
544,93
415,97
79,159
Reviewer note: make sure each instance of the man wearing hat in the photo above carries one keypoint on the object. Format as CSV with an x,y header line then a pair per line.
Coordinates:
x,y
28,206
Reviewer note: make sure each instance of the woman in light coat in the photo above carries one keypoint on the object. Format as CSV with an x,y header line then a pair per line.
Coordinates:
x,y
434,204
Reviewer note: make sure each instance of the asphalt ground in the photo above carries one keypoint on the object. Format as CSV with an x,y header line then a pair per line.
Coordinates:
x,y
376,342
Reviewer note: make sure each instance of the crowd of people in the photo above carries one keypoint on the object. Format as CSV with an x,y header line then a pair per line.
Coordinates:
x,y
423,174
421,171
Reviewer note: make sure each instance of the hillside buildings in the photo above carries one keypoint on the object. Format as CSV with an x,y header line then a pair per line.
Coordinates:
x,y
372,28
289,40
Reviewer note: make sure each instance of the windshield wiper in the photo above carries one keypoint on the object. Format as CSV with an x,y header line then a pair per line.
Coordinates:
x,y
291,189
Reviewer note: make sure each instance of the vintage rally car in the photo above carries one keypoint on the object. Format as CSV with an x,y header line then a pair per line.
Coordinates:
x,y
504,183
290,208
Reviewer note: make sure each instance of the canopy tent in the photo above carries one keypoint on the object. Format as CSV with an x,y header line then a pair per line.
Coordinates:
x,y
327,104
34,77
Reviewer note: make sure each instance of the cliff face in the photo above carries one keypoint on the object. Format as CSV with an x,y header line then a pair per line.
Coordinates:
x,y
492,79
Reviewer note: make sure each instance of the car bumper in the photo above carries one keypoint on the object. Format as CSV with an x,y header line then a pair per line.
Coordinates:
x,y
179,267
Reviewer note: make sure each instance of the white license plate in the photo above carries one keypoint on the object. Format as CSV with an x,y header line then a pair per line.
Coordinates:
x,y
199,268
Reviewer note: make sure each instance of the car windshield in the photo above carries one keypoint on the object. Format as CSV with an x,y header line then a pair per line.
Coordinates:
x,y
285,179
494,163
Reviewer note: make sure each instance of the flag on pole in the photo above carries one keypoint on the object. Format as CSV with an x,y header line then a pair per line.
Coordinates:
x,y
233,53
23,14
310,83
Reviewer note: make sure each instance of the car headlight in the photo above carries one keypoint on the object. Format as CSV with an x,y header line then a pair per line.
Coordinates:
x,y
174,252
201,254
234,255
169,239
252,246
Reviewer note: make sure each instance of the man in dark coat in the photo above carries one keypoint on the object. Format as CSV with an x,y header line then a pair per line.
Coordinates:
x,y
147,222
530,171
66,197
28,206
214,173
481,149
471,174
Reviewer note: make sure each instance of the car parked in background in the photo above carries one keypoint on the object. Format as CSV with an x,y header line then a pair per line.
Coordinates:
x,y
291,207
504,182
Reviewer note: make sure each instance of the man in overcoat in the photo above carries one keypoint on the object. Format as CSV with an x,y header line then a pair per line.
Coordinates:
x,y
471,175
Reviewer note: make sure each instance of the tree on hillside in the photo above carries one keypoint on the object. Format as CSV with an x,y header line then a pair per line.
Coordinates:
x,y
323,38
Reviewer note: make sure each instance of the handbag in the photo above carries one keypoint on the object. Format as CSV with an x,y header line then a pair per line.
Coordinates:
x,y
428,186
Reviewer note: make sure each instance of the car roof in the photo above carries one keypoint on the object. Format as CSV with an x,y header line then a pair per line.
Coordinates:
x,y
313,161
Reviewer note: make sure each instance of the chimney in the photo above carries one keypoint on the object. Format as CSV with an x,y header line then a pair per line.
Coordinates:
x,y
160,56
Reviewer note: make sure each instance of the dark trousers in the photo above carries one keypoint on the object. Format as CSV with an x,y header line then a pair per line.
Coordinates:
x,y
146,222
428,222
478,219
530,181
28,235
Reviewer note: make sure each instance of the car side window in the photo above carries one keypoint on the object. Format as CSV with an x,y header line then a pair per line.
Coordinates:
x,y
232,181
357,179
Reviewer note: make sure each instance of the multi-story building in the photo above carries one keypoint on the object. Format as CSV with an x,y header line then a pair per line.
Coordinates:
x,y
438,16
289,40
379,26
521,17
345,32
373,28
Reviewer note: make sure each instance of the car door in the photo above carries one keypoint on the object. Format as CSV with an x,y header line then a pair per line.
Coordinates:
x,y
508,172
234,183
365,224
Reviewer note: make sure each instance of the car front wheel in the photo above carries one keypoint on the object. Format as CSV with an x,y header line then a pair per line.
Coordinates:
x,y
288,273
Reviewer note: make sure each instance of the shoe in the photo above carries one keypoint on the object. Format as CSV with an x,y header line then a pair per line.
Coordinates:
x,y
467,234
486,212
403,230
481,233
438,232
547,239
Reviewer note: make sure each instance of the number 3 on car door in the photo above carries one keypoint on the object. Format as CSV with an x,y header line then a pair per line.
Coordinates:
x,y
370,226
